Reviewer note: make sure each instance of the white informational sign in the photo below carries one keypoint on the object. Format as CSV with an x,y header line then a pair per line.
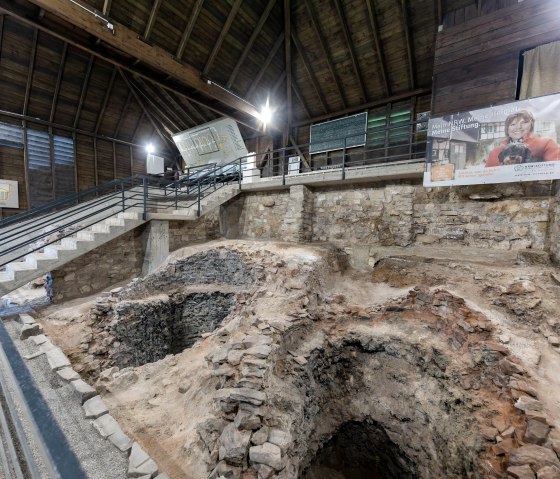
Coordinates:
x,y
155,164
248,167
501,144
293,165
9,194
218,141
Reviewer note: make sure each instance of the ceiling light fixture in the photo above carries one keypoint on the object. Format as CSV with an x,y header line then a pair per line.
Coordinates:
x,y
108,24
150,148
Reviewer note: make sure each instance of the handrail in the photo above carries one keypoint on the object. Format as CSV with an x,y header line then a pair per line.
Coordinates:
x,y
146,192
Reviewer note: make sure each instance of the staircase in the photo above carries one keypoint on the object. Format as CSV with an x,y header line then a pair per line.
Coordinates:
x,y
28,250
53,256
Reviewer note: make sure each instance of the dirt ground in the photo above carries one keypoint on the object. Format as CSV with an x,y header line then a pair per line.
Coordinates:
x,y
161,404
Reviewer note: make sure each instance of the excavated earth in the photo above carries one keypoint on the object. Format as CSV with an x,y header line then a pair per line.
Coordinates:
x,y
241,359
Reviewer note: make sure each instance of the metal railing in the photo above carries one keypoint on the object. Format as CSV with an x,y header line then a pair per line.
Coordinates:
x,y
34,229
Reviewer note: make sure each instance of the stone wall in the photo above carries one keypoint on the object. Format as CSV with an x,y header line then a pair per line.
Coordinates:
x,y
148,331
182,233
257,215
115,261
507,217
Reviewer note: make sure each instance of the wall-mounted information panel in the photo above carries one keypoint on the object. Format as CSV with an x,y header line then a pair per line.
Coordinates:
x,y
337,134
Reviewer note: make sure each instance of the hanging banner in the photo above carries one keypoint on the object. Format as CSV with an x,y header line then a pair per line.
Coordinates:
x,y
501,144
218,142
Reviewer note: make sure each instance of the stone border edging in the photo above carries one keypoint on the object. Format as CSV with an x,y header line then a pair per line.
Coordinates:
x,y
140,464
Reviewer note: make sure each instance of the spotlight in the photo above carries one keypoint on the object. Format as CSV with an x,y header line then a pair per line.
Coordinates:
x,y
266,114
150,148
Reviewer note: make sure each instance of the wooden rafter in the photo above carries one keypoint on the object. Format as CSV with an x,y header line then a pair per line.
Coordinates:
x,y
348,39
408,42
288,64
123,114
300,98
106,7
277,83
151,20
189,28
310,72
265,65
189,122
249,45
2,17
106,100
125,40
170,114
366,106
30,71
378,48
326,55
85,84
58,81
114,61
223,33
440,11
138,123
164,138
192,109
155,110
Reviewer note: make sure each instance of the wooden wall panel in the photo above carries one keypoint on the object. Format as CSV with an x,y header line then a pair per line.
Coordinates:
x,y
139,161
105,165
12,168
123,161
85,162
476,63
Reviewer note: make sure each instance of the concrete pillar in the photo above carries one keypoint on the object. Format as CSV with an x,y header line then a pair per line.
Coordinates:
x,y
553,236
298,222
156,245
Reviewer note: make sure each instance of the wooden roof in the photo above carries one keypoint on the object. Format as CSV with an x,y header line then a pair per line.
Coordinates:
x,y
168,65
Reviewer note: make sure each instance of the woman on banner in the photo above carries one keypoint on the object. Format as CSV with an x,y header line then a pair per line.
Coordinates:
x,y
521,145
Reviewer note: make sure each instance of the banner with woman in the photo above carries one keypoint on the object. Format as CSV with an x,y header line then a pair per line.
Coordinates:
x,y
501,144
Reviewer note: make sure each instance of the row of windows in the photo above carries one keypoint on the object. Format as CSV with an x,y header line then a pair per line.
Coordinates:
x,y
39,146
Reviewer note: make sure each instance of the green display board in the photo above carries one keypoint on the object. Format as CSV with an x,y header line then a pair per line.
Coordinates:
x,y
337,134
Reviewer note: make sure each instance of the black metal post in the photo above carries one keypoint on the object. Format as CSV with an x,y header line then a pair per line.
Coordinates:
x,y
283,167
344,160
176,194
145,185
240,172
122,195
198,201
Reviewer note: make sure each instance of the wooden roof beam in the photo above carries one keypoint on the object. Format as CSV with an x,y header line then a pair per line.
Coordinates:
x,y
188,29
30,71
58,81
378,48
348,39
137,127
123,114
164,138
189,122
249,45
183,102
326,55
265,65
125,40
165,121
174,118
408,42
300,98
85,84
106,7
151,20
310,72
106,100
223,33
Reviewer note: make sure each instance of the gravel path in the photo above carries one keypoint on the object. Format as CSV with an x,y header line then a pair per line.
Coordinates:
x,y
98,457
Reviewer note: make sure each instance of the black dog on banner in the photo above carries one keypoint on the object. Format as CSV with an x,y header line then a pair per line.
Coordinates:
x,y
514,154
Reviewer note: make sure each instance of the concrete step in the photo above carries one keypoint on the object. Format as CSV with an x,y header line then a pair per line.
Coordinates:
x,y
40,260
20,269
6,277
